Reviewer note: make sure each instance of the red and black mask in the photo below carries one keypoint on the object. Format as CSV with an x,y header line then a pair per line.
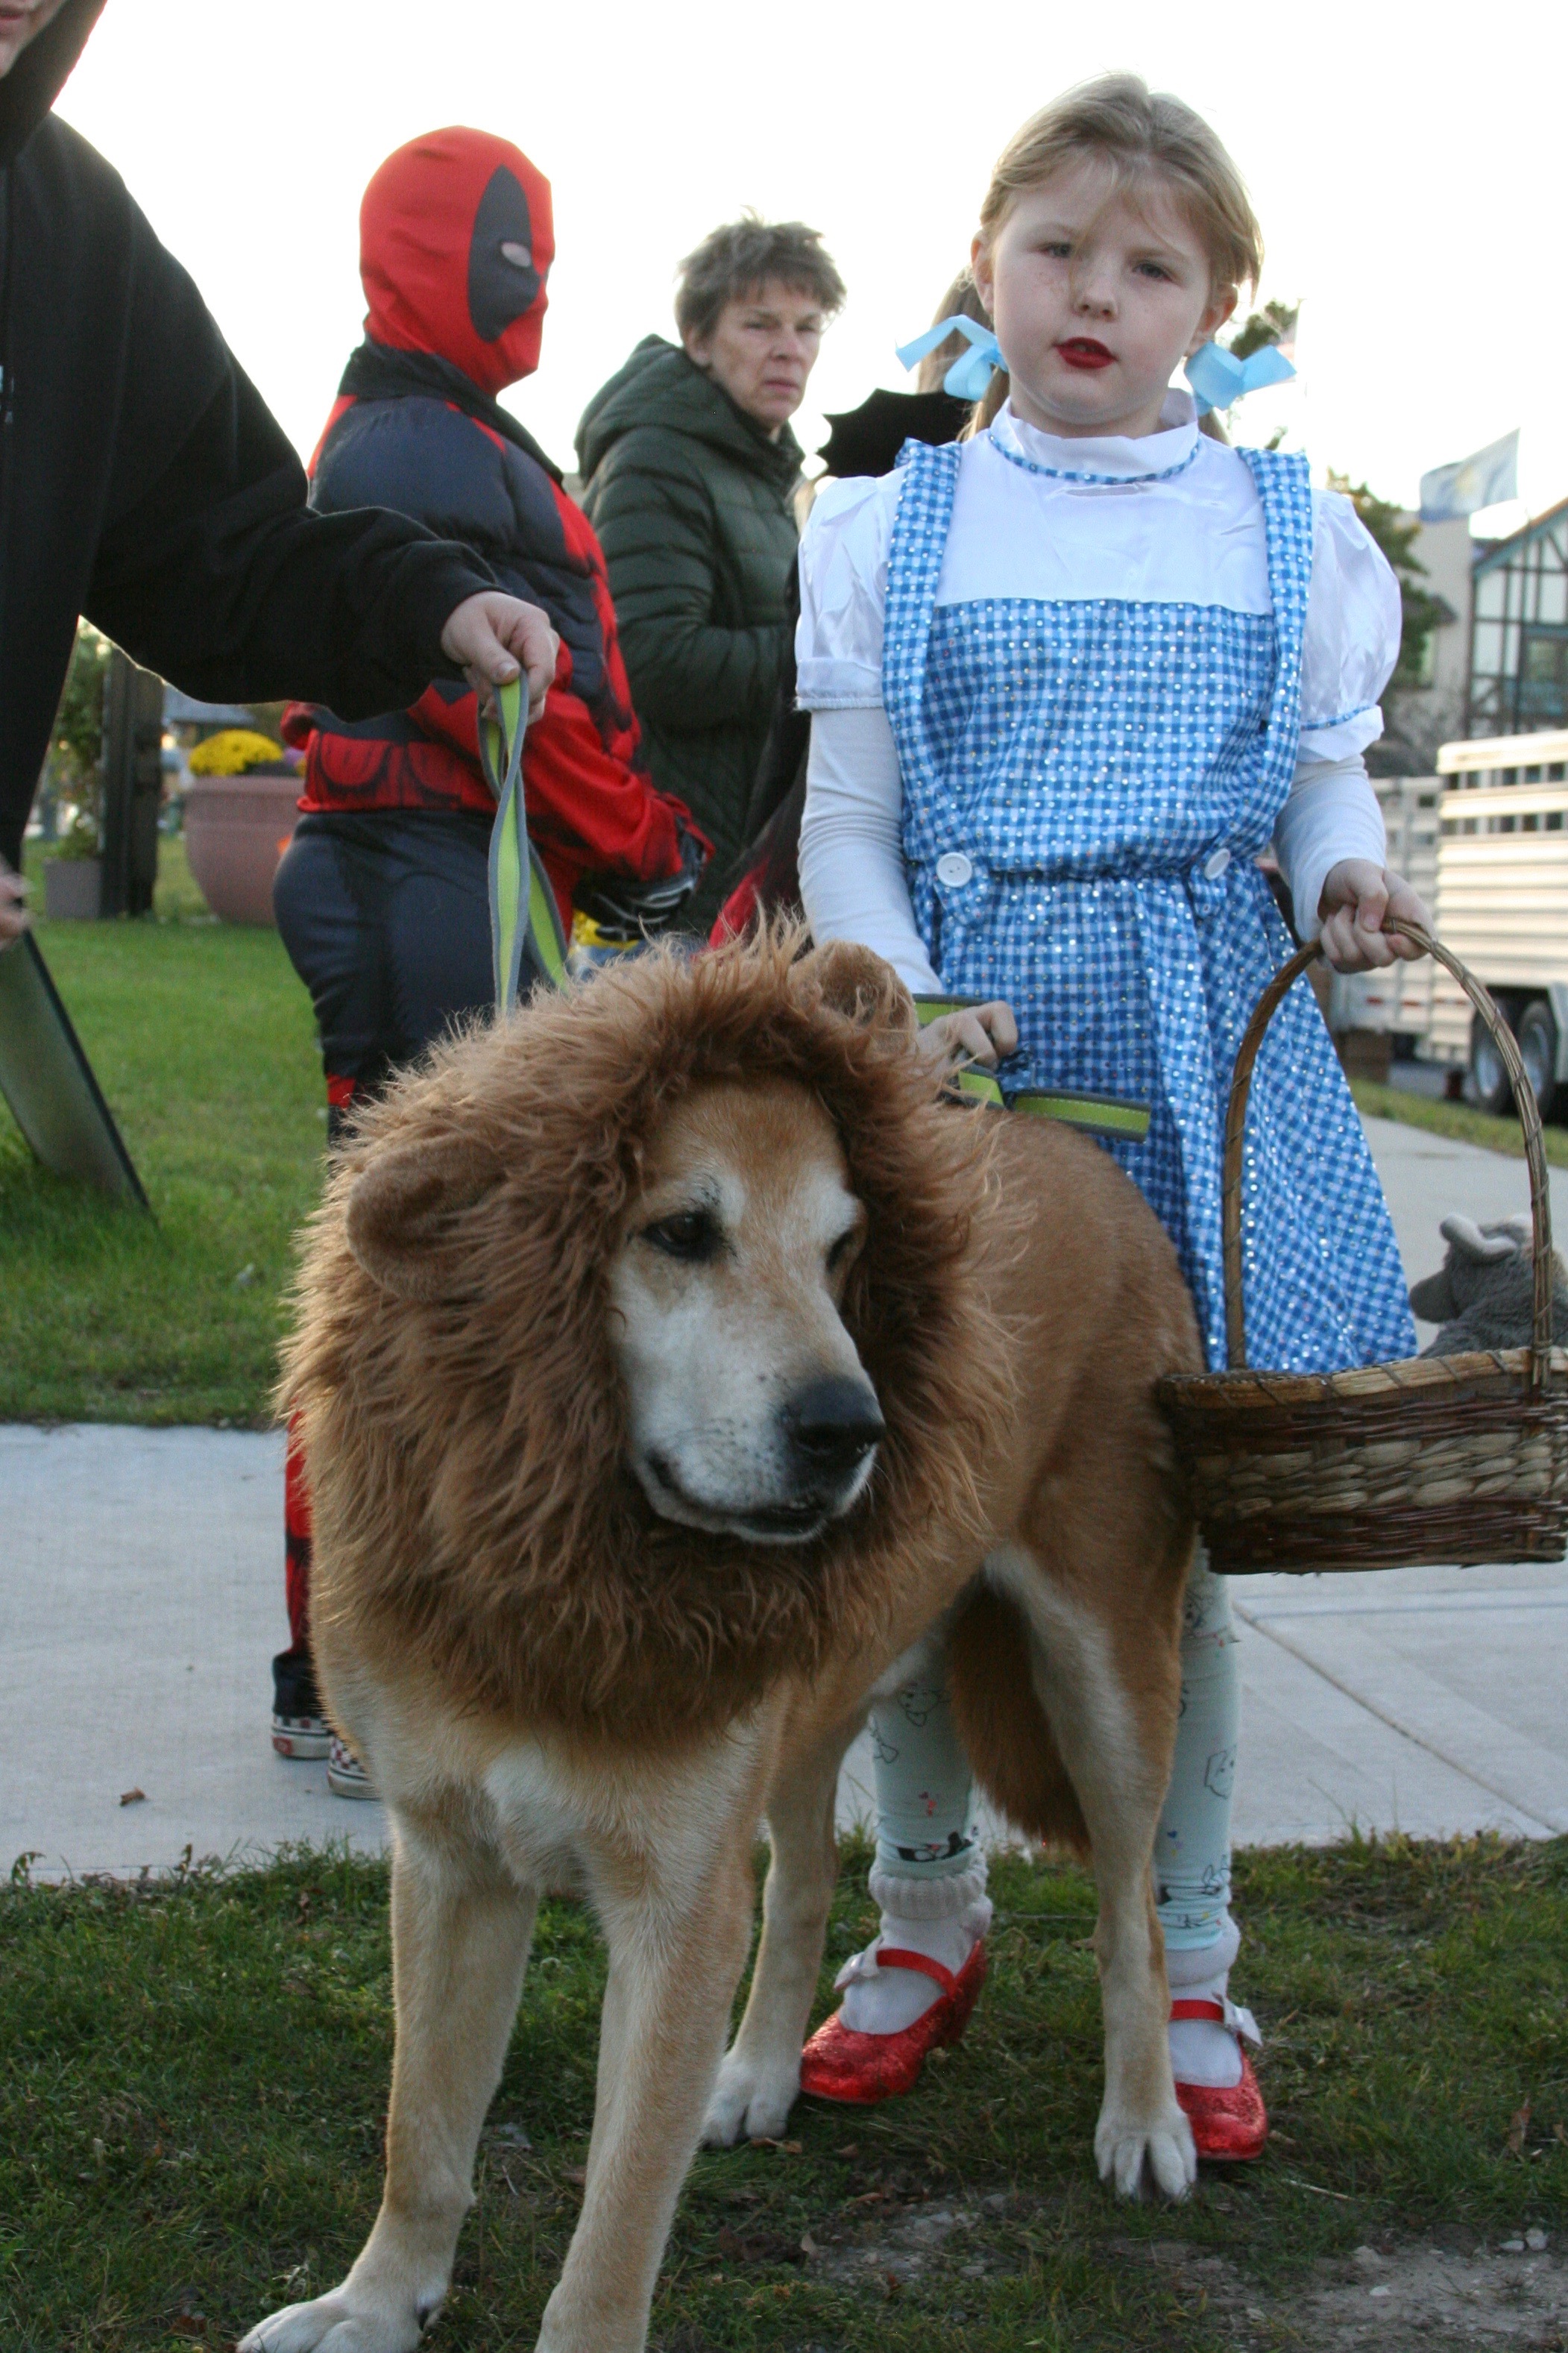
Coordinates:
x,y
457,239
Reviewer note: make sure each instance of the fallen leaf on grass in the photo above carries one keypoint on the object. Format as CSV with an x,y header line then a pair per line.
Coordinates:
x,y
784,2148
1518,2124
134,1796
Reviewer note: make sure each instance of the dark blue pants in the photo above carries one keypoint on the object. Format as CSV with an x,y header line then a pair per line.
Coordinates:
x,y
386,921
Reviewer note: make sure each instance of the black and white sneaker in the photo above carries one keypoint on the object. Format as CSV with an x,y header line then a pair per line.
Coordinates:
x,y
299,1730
346,1777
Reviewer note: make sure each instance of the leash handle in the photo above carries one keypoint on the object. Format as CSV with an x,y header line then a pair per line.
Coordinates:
x,y
523,913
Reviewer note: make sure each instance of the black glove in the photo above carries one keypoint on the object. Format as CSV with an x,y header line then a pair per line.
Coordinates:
x,y
628,911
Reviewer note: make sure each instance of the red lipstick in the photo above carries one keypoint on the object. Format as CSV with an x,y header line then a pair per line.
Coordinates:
x,y
1083,352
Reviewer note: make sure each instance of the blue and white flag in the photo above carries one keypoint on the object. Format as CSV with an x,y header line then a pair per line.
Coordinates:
x,y
1484,479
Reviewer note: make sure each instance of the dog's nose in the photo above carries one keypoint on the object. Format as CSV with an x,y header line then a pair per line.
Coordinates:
x,y
835,1422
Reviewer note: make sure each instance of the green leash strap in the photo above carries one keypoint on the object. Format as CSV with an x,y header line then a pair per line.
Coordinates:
x,y
1113,1115
1117,1116
978,1086
932,1009
522,905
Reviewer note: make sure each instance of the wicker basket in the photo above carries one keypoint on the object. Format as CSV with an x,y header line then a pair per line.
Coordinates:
x,y
1437,1458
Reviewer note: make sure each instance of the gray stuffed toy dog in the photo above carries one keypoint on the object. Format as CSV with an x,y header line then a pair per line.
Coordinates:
x,y
1483,1294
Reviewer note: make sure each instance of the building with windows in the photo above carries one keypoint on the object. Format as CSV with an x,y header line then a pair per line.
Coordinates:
x,y
1519,632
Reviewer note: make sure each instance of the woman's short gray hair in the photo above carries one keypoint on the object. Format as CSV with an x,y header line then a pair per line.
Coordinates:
x,y
732,261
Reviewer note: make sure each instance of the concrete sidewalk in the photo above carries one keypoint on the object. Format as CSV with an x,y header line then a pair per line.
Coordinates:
x,y
140,1599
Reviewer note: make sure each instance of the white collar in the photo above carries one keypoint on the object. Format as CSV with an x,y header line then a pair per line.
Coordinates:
x,y
1119,458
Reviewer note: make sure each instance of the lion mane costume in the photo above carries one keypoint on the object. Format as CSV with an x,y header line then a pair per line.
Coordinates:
x,y
464,1424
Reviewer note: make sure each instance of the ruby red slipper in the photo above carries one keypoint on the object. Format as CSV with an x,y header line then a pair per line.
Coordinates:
x,y
1229,2121
839,2064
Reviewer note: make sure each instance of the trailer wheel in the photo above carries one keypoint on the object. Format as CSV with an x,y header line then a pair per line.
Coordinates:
x,y
1538,1052
1488,1078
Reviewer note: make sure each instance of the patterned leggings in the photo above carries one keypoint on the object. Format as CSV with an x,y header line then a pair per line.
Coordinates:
x,y
925,1794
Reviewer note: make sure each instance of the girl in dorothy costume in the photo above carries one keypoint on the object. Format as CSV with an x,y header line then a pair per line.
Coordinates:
x,y
1067,678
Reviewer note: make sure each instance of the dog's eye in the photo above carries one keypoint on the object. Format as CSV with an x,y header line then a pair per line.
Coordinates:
x,y
843,1249
690,1234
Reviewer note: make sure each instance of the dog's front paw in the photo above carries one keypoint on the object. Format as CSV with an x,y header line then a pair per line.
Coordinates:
x,y
1126,2149
343,2322
750,2100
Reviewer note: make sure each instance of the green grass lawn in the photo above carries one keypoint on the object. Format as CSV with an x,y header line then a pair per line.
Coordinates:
x,y
204,1044
1461,1121
193,2080
203,1041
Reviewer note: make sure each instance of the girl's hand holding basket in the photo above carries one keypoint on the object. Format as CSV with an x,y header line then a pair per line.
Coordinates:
x,y
1358,899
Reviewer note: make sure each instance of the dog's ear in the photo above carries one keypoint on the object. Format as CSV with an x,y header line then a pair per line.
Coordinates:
x,y
858,982
404,1211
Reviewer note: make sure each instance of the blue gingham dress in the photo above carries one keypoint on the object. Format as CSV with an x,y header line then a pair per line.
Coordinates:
x,y
1103,775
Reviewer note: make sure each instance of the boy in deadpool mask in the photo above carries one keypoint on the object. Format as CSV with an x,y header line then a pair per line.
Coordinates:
x,y
457,237
381,898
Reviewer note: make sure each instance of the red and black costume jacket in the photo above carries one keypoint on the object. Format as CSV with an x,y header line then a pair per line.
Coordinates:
x,y
414,430
411,433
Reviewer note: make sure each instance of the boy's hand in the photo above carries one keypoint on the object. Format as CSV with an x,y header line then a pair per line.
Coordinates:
x,y
492,637
1357,898
14,915
986,1034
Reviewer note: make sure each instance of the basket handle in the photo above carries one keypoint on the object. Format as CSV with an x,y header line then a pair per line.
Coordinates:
x,y
1524,1103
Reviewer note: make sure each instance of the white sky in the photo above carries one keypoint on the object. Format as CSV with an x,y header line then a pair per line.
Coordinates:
x,y
1407,166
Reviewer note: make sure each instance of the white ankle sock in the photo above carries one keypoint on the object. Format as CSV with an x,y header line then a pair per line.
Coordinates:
x,y
1202,2049
942,1918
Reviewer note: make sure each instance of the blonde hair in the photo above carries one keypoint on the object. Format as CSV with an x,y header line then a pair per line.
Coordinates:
x,y
1141,135
961,301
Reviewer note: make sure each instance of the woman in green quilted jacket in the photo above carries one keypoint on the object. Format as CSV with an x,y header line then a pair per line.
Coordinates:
x,y
691,470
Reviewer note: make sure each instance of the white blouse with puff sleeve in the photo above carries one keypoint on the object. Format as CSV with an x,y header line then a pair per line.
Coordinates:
x,y
1172,517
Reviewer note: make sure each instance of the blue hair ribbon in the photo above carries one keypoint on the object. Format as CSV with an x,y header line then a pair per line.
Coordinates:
x,y
968,377
1217,377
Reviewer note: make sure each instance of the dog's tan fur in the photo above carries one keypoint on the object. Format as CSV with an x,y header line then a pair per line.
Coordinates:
x,y
552,1684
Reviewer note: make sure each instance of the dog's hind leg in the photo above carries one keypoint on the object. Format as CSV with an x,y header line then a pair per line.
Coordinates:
x,y
760,2078
1117,1751
678,1939
460,1935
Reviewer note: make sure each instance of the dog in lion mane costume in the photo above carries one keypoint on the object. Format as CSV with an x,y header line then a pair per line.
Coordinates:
x,y
554,1678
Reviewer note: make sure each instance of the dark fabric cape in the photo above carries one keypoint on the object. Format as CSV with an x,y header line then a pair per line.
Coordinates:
x,y
867,440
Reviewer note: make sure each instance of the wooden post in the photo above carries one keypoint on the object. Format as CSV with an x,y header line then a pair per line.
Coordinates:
x,y
133,787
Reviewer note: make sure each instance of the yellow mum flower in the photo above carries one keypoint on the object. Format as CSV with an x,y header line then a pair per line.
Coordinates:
x,y
232,752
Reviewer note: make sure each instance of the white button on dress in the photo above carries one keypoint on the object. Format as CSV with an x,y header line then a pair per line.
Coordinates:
x,y
1213,867
954,869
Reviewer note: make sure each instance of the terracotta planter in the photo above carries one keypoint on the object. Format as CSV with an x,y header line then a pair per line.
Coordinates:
x,y
72,888
237,830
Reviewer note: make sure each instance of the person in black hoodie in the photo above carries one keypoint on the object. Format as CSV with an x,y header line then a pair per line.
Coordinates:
x,y
144,483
